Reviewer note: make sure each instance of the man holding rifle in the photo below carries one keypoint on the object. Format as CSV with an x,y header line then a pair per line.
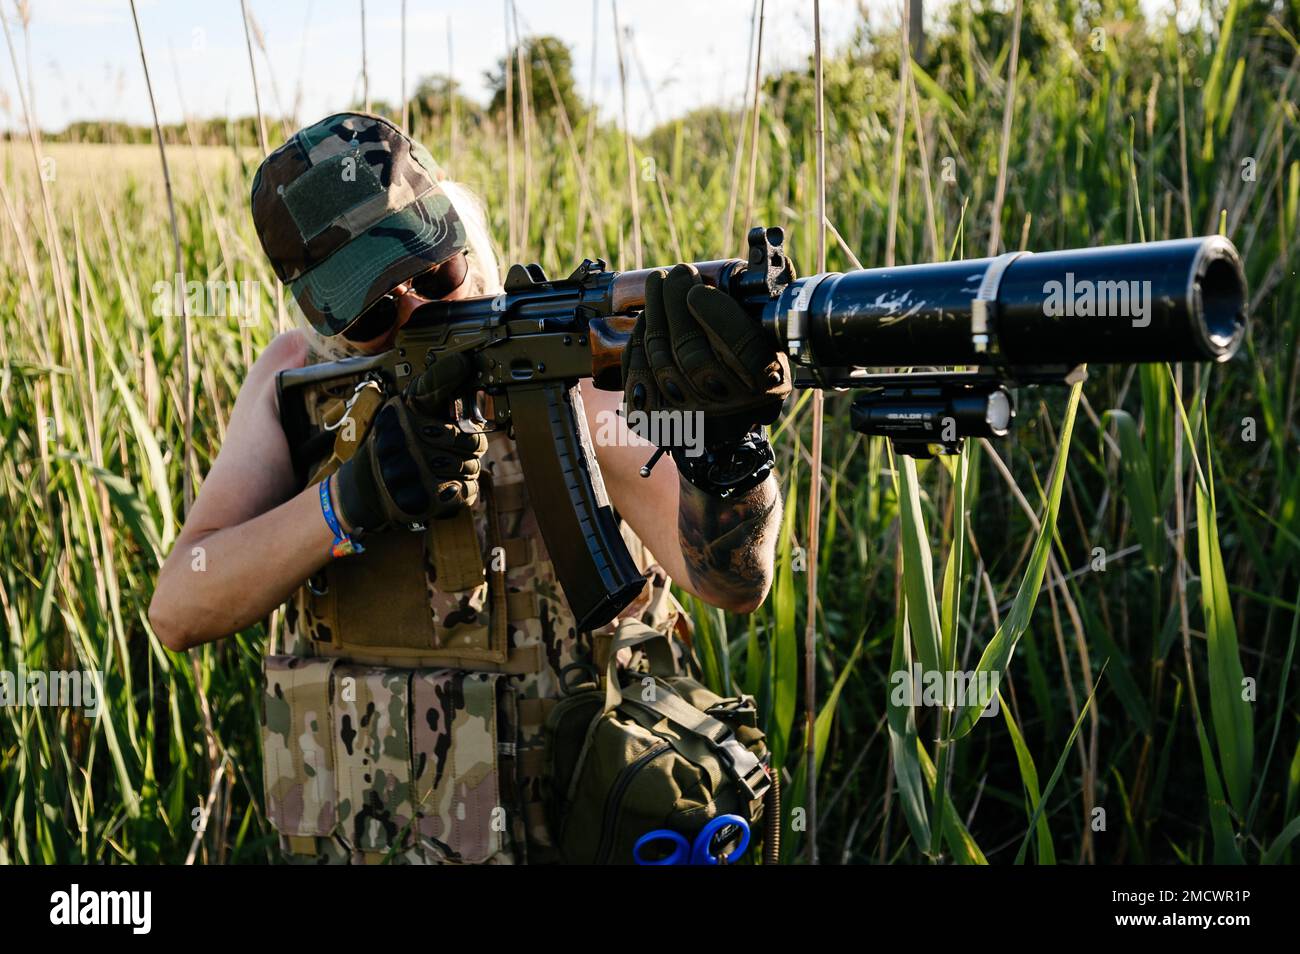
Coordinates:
x,y
454,636
453,592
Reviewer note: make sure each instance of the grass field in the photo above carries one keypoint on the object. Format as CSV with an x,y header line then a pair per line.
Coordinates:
x,y
1148,713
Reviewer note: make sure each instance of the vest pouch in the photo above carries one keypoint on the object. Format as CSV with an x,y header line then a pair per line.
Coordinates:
x,y
297,746
463,743
375,765
372,757
421,598
648,751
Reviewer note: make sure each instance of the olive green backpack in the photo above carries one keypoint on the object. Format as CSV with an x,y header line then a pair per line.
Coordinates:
x,y
648,752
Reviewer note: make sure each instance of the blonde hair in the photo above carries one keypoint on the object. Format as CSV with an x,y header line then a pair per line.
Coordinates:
x,y
483,278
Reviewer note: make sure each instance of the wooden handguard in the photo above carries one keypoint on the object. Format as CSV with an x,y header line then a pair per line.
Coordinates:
x,y
609,335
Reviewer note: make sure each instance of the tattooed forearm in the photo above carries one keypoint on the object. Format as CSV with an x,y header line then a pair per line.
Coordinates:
x,y
729,545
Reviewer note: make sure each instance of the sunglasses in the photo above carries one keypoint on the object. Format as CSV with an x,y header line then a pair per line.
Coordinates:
x,y
438,282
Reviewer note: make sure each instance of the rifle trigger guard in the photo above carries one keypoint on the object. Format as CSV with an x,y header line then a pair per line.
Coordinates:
x,y
471,419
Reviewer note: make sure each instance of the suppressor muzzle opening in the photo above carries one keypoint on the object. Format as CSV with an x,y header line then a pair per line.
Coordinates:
x,y
1219,300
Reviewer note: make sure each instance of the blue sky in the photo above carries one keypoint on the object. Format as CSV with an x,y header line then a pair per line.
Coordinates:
x,y
85,64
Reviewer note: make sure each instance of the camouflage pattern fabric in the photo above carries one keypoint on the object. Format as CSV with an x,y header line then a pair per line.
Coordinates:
x,y
475,743
298,750
376,765
348,209
372,747
457,782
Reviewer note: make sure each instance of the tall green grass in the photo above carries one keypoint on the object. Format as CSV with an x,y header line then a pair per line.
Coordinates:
x,y
1121,688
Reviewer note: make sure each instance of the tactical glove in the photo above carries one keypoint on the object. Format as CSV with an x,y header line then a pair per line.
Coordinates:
x,y
415,464
694,349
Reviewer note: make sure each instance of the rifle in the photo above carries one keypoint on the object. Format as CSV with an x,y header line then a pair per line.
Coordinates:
x,y
1016,319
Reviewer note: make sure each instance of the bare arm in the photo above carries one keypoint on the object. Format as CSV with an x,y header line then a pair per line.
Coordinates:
x,y
249,540
723,551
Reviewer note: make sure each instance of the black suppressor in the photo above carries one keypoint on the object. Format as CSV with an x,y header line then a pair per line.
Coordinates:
x,y
1180,300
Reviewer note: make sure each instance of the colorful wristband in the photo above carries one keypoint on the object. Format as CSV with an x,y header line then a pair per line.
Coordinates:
x,y
343,544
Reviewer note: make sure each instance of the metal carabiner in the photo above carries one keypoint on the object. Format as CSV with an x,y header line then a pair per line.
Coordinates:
x,y
347,408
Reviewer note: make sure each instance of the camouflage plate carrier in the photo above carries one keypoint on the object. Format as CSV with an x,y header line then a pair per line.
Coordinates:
x,y
404,722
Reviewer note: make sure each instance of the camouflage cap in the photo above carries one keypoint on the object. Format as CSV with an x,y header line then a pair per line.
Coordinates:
x,y
348,209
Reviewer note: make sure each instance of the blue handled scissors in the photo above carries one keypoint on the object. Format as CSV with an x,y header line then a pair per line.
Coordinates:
x,y
700,852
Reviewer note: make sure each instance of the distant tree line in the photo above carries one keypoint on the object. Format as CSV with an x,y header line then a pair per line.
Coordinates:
x,y
853,78
547,75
